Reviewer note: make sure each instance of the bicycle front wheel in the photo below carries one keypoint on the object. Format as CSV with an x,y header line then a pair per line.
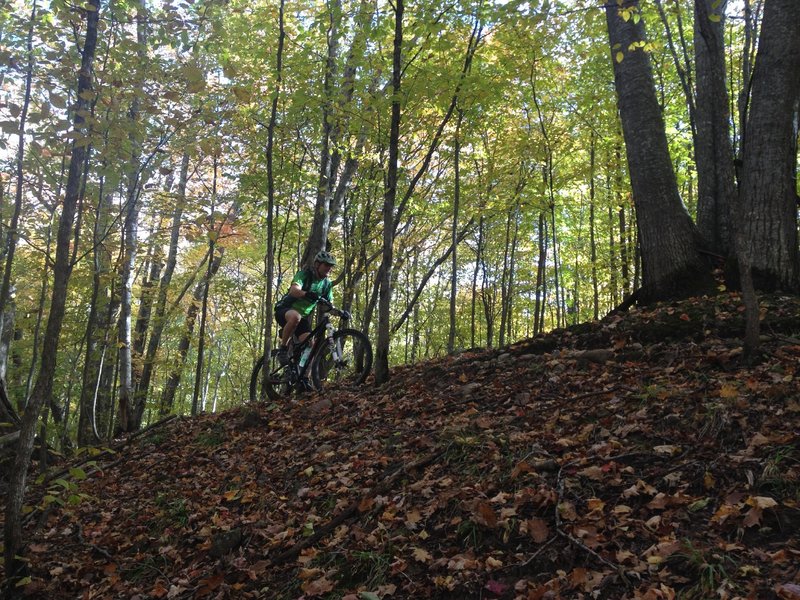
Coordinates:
x,y
277,384
345,359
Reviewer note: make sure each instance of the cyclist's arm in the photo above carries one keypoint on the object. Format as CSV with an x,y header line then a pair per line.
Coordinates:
x,y
296,290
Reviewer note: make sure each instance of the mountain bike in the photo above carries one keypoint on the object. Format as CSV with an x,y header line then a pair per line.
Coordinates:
x,y
327,355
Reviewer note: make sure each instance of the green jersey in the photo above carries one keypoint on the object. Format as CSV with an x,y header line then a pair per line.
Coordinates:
x,y
307,280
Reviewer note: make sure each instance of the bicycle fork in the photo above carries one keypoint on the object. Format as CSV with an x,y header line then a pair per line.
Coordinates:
x,y
336,350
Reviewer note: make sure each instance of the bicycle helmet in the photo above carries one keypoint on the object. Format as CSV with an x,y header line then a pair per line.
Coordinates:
x,y
326,257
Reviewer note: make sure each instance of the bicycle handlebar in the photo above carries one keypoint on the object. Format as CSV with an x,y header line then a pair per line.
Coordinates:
x,y
336,311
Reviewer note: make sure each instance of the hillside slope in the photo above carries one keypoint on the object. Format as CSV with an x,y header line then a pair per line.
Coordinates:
x,y
637,457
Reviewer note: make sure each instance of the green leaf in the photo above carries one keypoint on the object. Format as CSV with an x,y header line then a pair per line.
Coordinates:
x,y
58,101
714,18
619,56
77,473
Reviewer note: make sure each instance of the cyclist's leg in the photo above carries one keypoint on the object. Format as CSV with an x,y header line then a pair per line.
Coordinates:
x,y
302,329
288,319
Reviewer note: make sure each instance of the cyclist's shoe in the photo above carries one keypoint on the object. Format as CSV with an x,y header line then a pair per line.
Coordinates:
x,y
283,355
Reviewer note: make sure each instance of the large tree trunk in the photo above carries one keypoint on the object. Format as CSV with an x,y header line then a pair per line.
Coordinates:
x,y
43,388
672,264
713,148
768,204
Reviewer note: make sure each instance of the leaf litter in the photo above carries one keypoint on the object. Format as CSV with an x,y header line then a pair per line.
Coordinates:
x,y
637,457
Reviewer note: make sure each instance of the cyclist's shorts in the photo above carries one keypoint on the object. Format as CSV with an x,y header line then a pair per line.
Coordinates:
x,y
304,326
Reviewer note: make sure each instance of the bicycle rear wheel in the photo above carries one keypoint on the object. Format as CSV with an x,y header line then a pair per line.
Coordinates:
x,y
277,384
348,359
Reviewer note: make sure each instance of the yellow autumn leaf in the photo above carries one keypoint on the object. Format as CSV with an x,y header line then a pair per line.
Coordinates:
x,y
493,563
761,502
421,555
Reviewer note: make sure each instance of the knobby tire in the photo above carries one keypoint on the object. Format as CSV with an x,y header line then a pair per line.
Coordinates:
x,y
355,366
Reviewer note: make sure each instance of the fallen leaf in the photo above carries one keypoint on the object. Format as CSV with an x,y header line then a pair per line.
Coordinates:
x,y
421,555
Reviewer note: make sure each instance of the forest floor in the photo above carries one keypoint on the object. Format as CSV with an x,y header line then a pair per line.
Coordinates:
x,y
635,457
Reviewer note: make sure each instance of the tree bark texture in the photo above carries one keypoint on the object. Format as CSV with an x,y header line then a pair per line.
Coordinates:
x,y
42,389
389,199
672,264
713,147
768,202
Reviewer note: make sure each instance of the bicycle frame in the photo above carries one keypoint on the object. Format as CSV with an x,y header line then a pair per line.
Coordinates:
x,y
316,338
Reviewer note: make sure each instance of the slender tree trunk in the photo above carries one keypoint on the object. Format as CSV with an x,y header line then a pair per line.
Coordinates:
x,y
171,386
201,341
331,183
623,252
269,257
42,390
748,54
504,278
128,402
541,279
558,284
96,334
592,228
159,319
13,234
488,299
478,259
512,275
389,199
147,298
451,337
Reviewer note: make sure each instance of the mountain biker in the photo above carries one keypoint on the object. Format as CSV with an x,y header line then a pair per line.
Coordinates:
x,y
293,311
